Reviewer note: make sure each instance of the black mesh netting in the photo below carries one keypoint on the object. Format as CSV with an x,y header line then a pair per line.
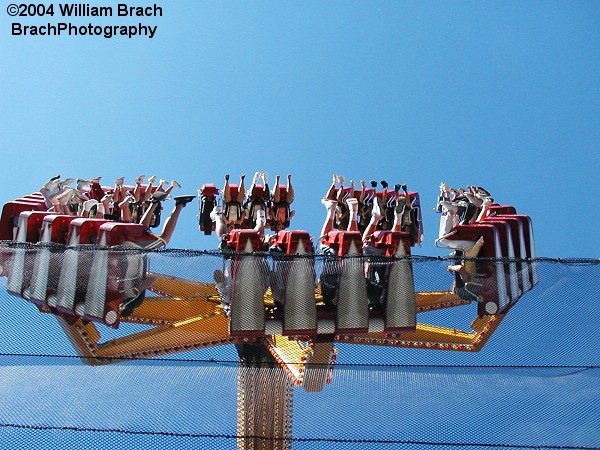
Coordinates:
x,y
535,383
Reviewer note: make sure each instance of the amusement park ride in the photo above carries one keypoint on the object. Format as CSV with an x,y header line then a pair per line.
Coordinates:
x,y
93,273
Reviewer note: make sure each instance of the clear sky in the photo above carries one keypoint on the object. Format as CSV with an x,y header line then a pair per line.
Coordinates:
x,y
501,94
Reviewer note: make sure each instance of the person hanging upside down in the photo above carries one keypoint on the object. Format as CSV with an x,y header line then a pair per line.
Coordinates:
x,y
281,213
258,198
234,213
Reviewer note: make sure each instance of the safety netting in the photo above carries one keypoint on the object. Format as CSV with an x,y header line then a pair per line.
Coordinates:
x,y
532,383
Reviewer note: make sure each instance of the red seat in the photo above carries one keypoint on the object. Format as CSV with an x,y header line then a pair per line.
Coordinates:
x,y
294,241
495,297
209,190
117,275
48,262
207,194
11,211
241,240
526,248
293,283
76,266
496,209
249,280
344,242
20,267
390,241
398,292
352,312
510,248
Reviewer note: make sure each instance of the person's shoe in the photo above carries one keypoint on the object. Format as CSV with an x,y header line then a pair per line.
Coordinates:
x,y
352,204
87,205
81,183
183,199
54,178
75,200
51,185
162,183
139,180
265,177
384,184
227,177
217,211
119,181
373,184
152,179
403,187
255,177
64,183
64,193
175,184
158,196
329,204
482,191
397,188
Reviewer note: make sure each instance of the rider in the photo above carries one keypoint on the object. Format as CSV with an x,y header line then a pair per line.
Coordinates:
x,y
281,213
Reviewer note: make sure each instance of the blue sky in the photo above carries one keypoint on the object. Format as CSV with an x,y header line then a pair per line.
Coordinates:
x,y
498,94
504,95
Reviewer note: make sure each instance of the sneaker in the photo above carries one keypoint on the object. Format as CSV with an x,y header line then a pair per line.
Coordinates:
x,y
329,204
183,199
119,181
87,205
158,196
384,184
175,184
152,179
352,204
52,185
139,179
63,183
